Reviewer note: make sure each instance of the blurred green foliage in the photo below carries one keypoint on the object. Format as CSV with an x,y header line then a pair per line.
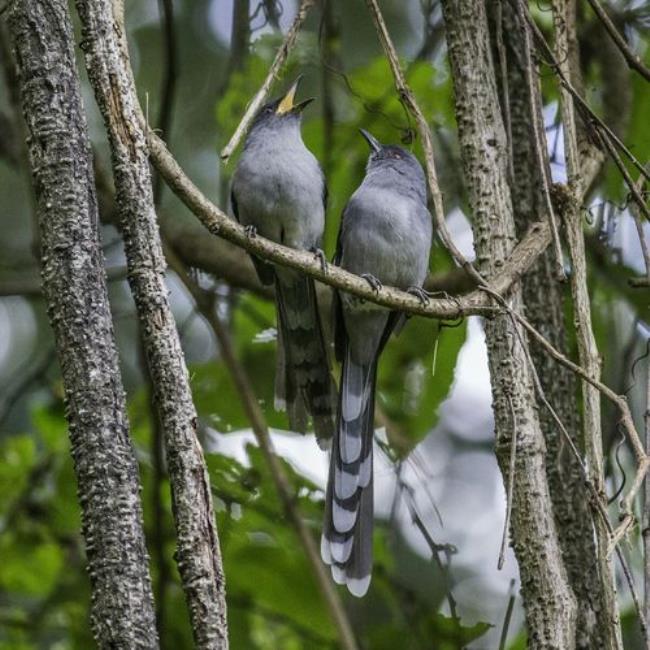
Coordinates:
x,y
273,600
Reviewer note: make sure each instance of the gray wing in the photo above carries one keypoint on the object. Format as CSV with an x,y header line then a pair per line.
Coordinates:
x,y
264,270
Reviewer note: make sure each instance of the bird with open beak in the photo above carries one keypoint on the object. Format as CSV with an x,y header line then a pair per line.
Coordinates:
x,y
279,192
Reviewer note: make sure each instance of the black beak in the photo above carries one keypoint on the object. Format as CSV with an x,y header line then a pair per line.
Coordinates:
x,y
375,145
301,106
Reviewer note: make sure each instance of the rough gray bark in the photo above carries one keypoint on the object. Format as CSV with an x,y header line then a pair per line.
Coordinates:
x,y
548,599
544,304
198,554
74,284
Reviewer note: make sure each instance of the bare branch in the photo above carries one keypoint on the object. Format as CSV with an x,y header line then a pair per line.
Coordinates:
x,y
646,505
632,187
539,139
590,118
511,483
168,87
261,95
407,97
220,224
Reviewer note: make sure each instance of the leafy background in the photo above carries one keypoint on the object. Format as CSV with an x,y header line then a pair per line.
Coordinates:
x,y
439,463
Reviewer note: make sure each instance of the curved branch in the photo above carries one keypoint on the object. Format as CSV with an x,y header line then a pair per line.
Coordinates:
x,y
218,223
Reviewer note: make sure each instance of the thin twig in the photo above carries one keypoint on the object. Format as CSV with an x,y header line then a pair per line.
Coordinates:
x,y
646,519
506,619
539,139
408,99
632,186
261,95
643,241
205,305
633,60
25,377
643,461
635,597
434,547
511,483
589,117
619,401
168,87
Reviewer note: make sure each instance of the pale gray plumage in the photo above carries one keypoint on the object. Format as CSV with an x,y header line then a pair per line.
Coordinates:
x,y
278,192
385,235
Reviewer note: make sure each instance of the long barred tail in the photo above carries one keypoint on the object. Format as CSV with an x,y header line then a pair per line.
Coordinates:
x,y
346,542
303,383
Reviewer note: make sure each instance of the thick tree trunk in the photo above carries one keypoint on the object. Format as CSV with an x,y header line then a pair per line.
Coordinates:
x,y
548,599
198,554
74,284
544,304
578,168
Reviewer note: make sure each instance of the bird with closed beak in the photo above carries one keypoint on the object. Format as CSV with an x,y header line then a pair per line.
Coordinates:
x,y
279,192
385,237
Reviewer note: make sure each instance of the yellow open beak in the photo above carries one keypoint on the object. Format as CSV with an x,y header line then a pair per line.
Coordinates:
x,y
287,101
288,104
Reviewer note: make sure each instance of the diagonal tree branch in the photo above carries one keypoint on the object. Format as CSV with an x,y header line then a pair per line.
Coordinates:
x,y
407,97
633,60
261,95
74,283
198,554
218,223
589,118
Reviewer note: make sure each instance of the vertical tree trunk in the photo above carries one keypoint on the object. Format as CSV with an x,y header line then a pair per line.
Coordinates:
x,y
548,599
74,285
198,553
544,303
564,14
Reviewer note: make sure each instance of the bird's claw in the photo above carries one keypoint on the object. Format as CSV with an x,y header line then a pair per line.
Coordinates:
x,y
422,295
374,283
250,231
320,256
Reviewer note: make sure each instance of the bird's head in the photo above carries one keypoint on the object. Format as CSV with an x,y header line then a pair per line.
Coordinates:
x,y
403,166
283,111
